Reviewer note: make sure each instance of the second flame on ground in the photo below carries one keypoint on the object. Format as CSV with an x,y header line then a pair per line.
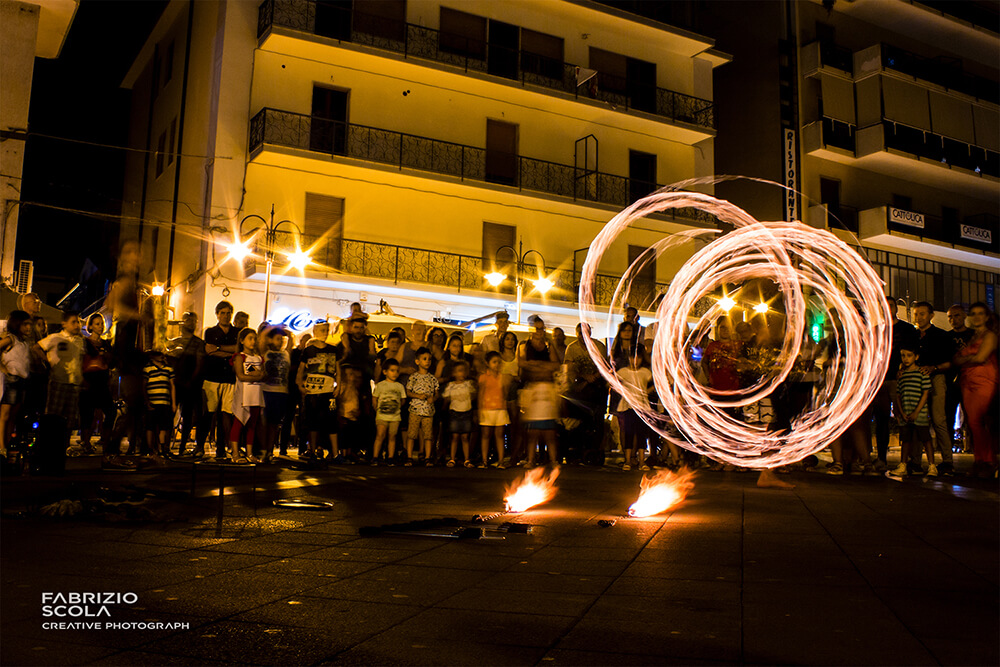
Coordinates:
x,y
662,491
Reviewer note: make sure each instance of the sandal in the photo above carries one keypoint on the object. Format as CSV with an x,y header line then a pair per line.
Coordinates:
x,y
469,464
450,463
408,463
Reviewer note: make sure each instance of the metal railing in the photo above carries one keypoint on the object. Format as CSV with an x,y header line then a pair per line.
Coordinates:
x,y
939,148
433,267
284,128
838,133
472,55
944,71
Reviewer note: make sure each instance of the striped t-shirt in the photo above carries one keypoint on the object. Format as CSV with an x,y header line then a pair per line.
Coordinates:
x,y
911,386
158,381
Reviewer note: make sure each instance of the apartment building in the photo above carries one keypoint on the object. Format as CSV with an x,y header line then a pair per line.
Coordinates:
x,y
410,147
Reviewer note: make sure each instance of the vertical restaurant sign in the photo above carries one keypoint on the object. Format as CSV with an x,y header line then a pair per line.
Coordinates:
x,y
791,175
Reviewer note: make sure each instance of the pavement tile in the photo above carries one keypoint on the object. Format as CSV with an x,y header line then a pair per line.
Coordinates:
x,y
534,630
347,621
704,570
571,566
815,624
47,652
402,651
361,555
520,602
144,659
307,567
214,595
582,584
972,612
483,560
561,656
400,584
679,591
247,643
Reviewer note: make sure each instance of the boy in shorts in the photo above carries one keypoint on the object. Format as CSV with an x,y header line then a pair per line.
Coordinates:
x,y
161,401
422,388
913,390
387,399
459,394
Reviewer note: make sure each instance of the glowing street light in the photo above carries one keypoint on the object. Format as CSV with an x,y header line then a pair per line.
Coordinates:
x,y
727,303
761,309
157,290
240,250
542,284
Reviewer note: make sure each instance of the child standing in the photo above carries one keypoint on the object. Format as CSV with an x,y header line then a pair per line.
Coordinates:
x,y
350,425
913,390
275,345
161,401
493,416
64,353
422,388
317,380
458,395
638,377
248,398
387,399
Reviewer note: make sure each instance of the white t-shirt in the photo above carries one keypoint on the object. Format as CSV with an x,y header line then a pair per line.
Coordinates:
x,y
639,378
65,356
461,394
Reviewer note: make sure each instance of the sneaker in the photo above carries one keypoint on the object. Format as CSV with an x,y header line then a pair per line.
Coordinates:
x,y
626,467
857,468
946,469
899,471
870,471
932,470
835,469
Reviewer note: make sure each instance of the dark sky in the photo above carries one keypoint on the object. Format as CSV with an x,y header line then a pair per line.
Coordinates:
x,y
78,96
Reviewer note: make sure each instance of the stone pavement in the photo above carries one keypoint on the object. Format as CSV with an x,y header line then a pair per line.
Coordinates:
x,y
840,570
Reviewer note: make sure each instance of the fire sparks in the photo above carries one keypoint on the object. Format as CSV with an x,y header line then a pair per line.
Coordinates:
x,y
533,489
661,491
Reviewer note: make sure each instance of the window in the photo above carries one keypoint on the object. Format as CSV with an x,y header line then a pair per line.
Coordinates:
x,y
381,18
829,194
173,141
644,285
629,77
161,148
501,152
496,236
641,174
168,64
328,126
463,34
541,54
324,219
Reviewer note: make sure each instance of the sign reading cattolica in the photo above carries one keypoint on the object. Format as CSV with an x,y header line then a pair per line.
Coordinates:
x,y
908,218
977,234
791,176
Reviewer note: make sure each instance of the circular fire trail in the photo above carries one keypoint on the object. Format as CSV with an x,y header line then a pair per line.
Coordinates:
x,y
816,274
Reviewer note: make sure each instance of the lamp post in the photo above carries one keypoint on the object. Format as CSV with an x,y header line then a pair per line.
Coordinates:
x,y
240,249
543,284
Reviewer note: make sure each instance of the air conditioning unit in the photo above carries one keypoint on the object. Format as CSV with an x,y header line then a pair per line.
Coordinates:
x,y
24,276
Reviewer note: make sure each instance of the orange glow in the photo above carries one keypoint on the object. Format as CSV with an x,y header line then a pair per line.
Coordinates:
x,y
662,491
532,489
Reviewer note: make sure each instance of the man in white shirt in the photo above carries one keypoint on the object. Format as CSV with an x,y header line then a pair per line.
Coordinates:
x,y
491,342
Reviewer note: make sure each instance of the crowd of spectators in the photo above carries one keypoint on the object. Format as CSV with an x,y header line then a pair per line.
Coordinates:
x,y
418,396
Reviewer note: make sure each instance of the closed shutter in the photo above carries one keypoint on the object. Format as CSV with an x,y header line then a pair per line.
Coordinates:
x,y
324,227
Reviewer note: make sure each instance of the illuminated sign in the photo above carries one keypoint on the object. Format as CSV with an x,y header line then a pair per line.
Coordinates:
x,y
296,320
977,234
908,218
791,176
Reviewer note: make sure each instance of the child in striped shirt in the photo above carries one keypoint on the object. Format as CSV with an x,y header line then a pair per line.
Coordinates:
x,y
161,400
913,390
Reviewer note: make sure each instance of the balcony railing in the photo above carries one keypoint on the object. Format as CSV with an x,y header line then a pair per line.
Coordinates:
x,y
925,144
433,267
943,71
838,134
283,128
462,52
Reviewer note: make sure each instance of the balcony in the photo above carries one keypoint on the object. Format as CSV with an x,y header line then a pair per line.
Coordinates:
x,y
466,163
820,54
401,264
943,71
461,53
930,236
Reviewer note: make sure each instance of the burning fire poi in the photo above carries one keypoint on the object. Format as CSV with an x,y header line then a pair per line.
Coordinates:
x,y
533,489
661,491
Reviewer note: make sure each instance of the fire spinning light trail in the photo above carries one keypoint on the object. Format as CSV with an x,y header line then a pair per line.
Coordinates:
x,y
815,272
533,489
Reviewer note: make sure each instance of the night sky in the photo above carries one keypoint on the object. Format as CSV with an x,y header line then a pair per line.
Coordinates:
x,y
78,96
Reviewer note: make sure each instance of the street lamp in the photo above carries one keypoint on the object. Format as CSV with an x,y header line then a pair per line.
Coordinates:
x,y
542,284
240,249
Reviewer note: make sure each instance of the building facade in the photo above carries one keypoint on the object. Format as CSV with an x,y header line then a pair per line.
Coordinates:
x,y
410,147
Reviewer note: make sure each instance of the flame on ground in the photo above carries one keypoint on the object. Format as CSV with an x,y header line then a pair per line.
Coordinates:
x,y
532,489
662,491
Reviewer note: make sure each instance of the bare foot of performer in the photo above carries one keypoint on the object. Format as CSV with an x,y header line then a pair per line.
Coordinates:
x,y
768,480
